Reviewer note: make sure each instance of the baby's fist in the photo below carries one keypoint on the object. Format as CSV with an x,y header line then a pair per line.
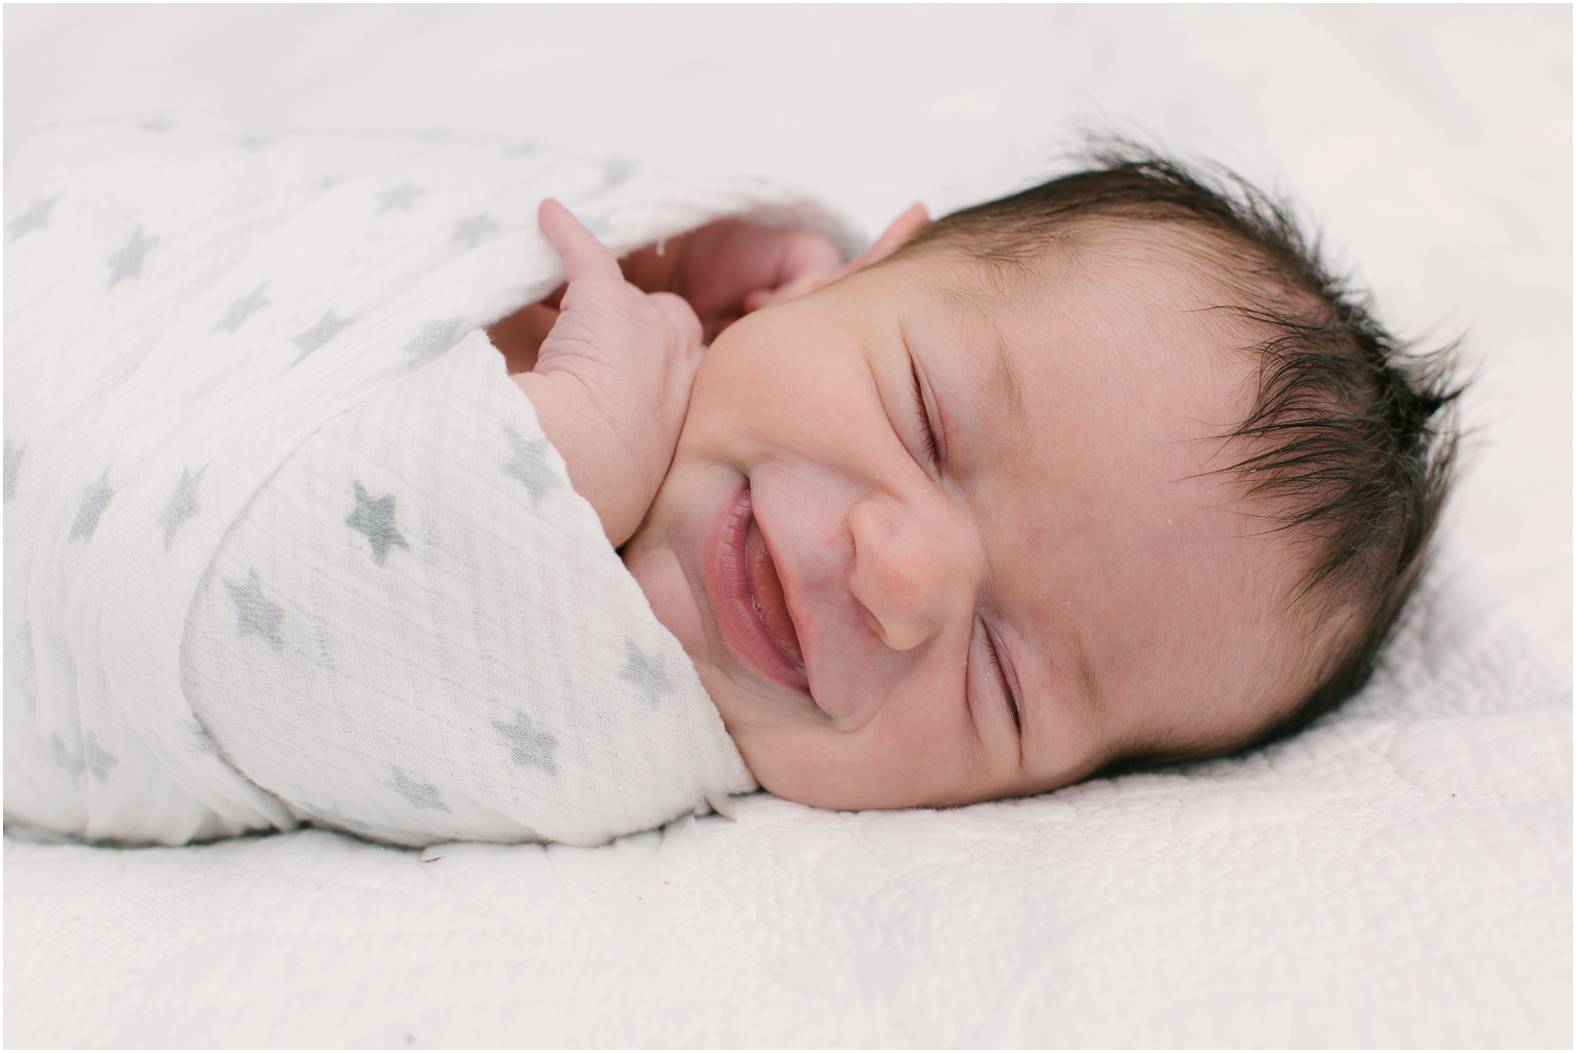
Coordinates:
x,y
624,358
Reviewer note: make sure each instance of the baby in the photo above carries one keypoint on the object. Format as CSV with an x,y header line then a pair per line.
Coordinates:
x,y
1105,473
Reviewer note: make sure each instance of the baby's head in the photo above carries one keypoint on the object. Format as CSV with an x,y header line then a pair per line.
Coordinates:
x,y
1183,487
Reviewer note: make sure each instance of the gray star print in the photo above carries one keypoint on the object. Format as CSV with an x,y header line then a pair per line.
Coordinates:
x,y
525,149
96,757
528,745
530,465
645,672
255,142
254,612
63,757
321,333
183,505
419,794
375,519
399,197
435,335
242,309
127,262
472,229
35,218
158,124
13,461
95,498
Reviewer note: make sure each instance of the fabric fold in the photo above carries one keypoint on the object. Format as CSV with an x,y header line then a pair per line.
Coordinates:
x,y
283,540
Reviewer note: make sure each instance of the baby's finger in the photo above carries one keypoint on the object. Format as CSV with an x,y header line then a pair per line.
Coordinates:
x,y
680,314
783,293
585,258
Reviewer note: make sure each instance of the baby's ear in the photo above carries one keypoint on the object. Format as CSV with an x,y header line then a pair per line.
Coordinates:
x,y
898,232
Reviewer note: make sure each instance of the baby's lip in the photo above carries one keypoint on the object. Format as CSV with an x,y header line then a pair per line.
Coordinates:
x,y
791,598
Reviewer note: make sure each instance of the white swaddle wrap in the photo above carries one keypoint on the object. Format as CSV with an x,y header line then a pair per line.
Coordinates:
x,y
284,542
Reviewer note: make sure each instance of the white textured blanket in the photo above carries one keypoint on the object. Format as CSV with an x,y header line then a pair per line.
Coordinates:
x,y
283,540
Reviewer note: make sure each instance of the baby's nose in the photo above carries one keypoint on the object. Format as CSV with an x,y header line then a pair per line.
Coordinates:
x,y
911,573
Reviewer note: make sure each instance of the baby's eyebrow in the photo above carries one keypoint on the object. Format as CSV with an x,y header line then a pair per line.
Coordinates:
x,y
1004,385
1004,392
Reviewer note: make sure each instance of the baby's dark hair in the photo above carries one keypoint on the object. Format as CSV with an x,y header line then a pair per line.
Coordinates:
x,y
1349,444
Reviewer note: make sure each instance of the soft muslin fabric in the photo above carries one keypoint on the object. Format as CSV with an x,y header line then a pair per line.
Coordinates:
x,y
284,542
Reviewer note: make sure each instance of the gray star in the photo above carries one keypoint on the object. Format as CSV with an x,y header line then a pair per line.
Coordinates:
x,y
158,124
530,465
73,765
436,335
35,218
96,757
525,149
375,519
321,333
13,461
254,612
95,498
330,182
182,506
615,170
255,142
645,672
127,262
399,197
242,309
528,745
419,794
472,229
205,742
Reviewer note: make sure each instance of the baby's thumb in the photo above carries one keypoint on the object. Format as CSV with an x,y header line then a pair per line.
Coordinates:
x,y
585,258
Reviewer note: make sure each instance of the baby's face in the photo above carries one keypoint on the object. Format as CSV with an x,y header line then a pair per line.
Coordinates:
x,y
1127,603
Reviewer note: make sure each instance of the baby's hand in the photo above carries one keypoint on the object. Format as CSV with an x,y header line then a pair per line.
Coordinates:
x,y
806,267
612,379
731,267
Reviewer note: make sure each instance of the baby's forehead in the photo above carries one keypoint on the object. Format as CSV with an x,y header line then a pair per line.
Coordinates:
x,y
1115,356
1143,307
1118,270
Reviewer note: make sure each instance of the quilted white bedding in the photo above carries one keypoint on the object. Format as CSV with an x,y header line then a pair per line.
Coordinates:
x,y
1398,875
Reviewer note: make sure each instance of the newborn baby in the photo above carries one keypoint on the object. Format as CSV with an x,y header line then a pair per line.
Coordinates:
x,y
1104,473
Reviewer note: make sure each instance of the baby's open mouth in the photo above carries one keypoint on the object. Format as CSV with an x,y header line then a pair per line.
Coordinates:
x,y
766,593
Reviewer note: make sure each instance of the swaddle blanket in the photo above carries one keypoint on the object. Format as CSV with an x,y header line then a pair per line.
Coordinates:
x,y
284,542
